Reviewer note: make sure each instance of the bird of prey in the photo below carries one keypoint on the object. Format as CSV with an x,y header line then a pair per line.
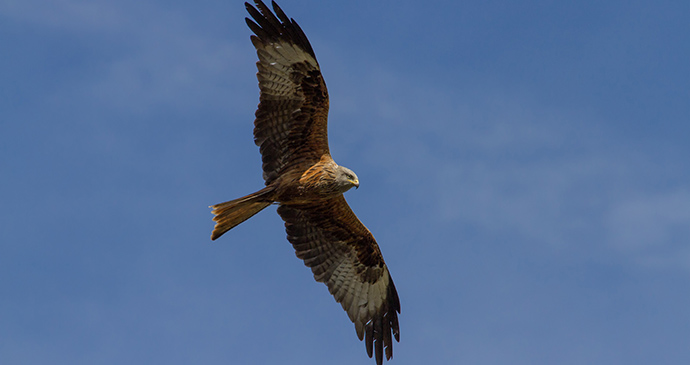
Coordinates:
x,y
308,186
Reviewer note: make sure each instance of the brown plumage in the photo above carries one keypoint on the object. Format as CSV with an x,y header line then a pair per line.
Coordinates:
x,y
291,132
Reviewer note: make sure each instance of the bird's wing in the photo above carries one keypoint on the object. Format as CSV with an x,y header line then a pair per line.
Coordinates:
x,y
343,254
291,120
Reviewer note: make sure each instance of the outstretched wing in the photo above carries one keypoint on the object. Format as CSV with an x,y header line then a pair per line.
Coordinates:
x,y
343,254
291,120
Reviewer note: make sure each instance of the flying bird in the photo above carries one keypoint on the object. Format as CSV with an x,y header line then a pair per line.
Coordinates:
x,y
307,185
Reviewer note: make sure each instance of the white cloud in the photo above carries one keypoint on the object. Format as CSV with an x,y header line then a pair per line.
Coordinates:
x,y
65,14
141,55
510,166
653,228
184,69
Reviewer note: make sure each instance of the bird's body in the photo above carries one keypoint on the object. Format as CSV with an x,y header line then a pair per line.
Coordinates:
x,y
323,180
307,184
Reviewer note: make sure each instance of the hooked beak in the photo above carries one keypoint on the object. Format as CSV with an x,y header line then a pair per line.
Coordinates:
x,y
356,184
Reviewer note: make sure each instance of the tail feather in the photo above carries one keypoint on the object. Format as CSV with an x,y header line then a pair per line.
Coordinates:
x,y
234,212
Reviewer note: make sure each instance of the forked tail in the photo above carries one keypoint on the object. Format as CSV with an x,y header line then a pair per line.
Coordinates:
x,y
234,212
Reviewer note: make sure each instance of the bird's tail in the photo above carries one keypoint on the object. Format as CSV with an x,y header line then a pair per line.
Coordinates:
x,y
234,212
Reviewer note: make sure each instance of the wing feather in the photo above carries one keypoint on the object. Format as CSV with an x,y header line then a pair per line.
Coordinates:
x,y
344,255
291,119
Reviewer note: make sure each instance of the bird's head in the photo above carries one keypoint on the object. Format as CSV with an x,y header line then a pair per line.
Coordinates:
x,y
346,179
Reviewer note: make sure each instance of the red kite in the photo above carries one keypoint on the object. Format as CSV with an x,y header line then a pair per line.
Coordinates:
x,y
302,178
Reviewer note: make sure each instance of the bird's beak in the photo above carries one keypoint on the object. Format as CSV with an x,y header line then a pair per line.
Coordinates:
x,y
356,183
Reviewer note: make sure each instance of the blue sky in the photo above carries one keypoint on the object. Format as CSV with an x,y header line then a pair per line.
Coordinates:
x,y
524,167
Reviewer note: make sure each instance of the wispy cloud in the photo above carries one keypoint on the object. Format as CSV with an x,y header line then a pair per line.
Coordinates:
x,y
513,167
67,14
141,56
652,228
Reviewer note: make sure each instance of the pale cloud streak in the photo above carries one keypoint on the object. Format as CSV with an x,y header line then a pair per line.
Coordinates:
x,y
150,57
652,228
512,167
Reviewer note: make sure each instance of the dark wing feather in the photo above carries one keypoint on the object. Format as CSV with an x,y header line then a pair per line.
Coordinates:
x,y
291,120
343,254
